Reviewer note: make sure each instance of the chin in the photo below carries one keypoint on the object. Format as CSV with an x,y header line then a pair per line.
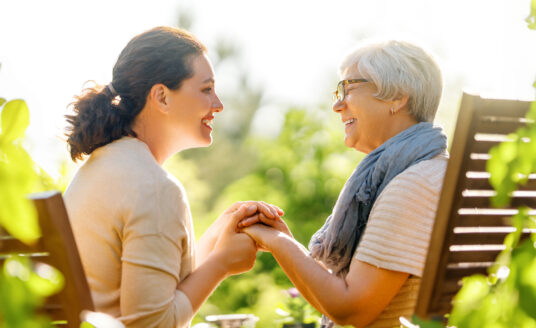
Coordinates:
x,y
349,142
206,142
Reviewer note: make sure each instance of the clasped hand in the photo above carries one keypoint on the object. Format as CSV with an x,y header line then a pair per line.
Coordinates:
x,y
225,239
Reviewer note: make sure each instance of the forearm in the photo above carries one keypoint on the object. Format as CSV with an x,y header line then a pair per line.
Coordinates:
x,y
204,246
326,292
200,284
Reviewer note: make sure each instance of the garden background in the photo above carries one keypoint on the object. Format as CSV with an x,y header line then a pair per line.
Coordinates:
x,y
277,139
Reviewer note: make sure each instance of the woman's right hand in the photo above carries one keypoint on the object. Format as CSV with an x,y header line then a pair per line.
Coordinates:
x,y
236,251
206,244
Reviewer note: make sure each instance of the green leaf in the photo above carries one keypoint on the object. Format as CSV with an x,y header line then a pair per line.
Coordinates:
x,y
426,323
524,259
531,19
86,324
46,280
15,119
531,115
2,101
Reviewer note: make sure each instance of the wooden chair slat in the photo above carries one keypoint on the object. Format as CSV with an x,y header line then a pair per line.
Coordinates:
x,y
473,256
57,248
9,244
461,272
477,166
481,124
483,147
499,125
483,221
59,241
502,107
484,202
483,184
478,238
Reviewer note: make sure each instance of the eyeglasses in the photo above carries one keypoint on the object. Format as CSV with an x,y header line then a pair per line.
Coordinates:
x,y
340,93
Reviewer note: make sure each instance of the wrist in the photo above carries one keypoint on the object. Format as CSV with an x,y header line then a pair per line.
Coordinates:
x,y
218,264
275,240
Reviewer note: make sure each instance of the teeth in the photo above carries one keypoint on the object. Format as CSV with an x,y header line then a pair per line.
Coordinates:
x,y
207,122
350,121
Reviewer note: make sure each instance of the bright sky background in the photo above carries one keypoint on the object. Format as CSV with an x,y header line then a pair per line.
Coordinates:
x,y
48,49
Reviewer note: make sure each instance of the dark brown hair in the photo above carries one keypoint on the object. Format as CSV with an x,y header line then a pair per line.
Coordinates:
x,y
103,114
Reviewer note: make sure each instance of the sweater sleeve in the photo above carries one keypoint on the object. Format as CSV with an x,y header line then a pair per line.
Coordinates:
x,y
156,254
400,223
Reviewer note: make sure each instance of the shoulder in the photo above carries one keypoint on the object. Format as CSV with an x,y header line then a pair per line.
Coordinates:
x,y
129,164
430,171
401,220
125,177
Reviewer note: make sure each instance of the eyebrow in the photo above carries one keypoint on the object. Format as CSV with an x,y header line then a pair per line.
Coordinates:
x,y
210,79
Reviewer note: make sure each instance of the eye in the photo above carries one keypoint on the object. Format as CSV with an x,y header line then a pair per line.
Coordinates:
x,y
207,90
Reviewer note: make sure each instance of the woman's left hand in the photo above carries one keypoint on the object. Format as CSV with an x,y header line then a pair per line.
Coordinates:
x,y
259,217
263,235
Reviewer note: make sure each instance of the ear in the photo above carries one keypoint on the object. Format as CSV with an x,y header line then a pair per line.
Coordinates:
x,y
399,102
158,97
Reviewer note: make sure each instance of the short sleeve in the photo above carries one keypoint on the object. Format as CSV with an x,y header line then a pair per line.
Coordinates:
x,y
401,221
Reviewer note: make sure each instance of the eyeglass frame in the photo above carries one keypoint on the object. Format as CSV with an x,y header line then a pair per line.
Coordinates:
x,y
341,88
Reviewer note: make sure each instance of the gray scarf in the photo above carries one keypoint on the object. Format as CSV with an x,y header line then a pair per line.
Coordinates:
x,y
335,243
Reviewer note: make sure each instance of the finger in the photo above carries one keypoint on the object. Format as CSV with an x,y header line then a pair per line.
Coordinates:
x,y
264,219
266,210
272,208
249,221
243,211
279,210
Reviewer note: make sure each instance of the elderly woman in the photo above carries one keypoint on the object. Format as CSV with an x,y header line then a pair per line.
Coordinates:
x,y
364,264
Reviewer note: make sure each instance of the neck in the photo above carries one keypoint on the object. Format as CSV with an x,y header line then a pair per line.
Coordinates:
x,y
397,123
152,133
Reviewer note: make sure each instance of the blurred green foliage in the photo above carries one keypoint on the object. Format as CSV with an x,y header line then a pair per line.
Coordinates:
x,y
23,287
17,175
531,19
295,310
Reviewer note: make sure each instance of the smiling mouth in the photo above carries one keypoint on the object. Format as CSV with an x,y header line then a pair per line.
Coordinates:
x,y
208,123
349,122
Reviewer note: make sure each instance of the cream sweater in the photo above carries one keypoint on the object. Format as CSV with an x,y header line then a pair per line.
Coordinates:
x,y
133,228
398,232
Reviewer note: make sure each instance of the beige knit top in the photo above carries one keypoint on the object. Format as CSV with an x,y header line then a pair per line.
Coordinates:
x,y
133,228
398,232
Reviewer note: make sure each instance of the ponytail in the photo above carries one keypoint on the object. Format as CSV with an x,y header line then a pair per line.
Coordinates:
x,y
100,117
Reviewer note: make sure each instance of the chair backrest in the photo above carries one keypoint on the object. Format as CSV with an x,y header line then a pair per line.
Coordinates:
x,y
56,247
468,232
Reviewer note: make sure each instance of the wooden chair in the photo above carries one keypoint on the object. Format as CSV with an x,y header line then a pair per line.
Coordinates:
x,y
468,233
56,247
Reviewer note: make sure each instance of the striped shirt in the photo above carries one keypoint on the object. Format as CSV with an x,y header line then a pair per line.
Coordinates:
x,y
399,229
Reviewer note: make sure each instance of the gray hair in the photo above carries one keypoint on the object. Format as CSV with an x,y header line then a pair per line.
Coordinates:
x,y
400,68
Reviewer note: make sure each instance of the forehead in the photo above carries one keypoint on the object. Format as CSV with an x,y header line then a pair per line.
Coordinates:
x,y
351,72
202,68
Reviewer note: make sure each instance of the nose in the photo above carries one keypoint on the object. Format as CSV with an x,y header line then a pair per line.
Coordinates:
x,y
338,105
217,105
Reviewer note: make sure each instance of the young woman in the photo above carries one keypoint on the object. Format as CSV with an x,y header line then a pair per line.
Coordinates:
x,y
130,218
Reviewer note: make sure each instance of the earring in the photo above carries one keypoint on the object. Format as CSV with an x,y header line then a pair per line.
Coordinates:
x,y
392,111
